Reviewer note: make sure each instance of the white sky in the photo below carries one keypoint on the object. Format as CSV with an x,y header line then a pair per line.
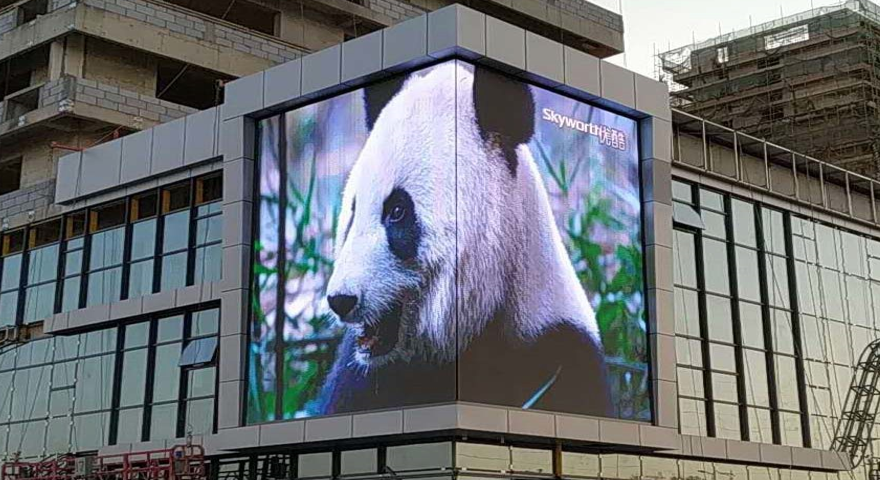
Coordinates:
x,y
669,24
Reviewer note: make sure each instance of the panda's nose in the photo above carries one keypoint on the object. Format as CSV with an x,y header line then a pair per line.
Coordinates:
x,y
342,305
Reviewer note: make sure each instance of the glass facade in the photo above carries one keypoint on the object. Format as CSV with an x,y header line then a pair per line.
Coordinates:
x,y
773,311
116,385
156,240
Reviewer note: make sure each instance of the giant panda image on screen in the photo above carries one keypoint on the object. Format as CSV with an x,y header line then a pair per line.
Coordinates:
x,y
449,234
418,228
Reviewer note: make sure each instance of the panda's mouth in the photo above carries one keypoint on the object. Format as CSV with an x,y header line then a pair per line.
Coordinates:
x,y
376,339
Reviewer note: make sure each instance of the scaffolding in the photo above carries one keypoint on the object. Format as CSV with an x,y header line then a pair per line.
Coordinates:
x,y
809,82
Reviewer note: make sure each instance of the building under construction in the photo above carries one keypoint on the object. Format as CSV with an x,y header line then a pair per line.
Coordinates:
x,y
808,81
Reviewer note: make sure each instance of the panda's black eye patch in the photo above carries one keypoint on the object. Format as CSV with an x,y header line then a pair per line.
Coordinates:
x,y
402,228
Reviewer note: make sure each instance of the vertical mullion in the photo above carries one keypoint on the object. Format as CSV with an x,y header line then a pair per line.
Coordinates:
x,y
157,250
767,323
281,268
62,265
22,279
799,361
182,390
736,319
704,321
191,240
126,255
148,390
87,260
117,385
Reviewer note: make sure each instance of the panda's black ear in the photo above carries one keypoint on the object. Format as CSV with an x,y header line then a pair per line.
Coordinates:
x,y
378,95
505,111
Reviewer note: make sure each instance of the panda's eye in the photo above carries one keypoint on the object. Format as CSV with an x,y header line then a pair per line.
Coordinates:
x,y
397,213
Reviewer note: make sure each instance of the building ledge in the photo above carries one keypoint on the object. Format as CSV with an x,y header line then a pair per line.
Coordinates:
x,y
158,28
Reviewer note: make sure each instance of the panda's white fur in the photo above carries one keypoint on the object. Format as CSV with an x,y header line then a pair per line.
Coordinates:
x,y
470,207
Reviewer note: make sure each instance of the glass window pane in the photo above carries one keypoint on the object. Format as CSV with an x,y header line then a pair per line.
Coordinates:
x,y
11,272
94,384
39,302
107,248
173,271
209,230
790,428
724,387
744,223
205,322
747,274
783,335
163,422
198,352
717,278
827,242
773,230
176,232
727,421
786,383
209,264
687,215
719,320
63,374
715,226
57,436
100,341
167,373
201,382
60,402
757,388
140,279
692,417
687,313
70,297
689,352
134,376
690,382
137,334
170,328
129,429
73,262
143,243
760,426
752,325
90,432
682,191
107,216
710,199
8,308
777,281
200,416
722,358
684,256
42,264
104,287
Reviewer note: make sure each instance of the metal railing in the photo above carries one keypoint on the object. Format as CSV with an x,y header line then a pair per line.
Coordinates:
x,y
719,151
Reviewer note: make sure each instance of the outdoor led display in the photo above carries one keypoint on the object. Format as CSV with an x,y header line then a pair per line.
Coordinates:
x,y
449,234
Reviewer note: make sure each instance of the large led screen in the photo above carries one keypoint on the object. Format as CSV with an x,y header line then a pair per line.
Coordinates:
x,y
450,234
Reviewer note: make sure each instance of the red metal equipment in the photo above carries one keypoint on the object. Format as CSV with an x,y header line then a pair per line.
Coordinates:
x,y
182,462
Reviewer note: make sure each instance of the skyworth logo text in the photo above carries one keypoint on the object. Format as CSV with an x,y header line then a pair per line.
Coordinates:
x,y
607,136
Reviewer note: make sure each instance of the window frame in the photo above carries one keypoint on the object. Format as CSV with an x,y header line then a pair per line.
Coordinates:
x,y
76,237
